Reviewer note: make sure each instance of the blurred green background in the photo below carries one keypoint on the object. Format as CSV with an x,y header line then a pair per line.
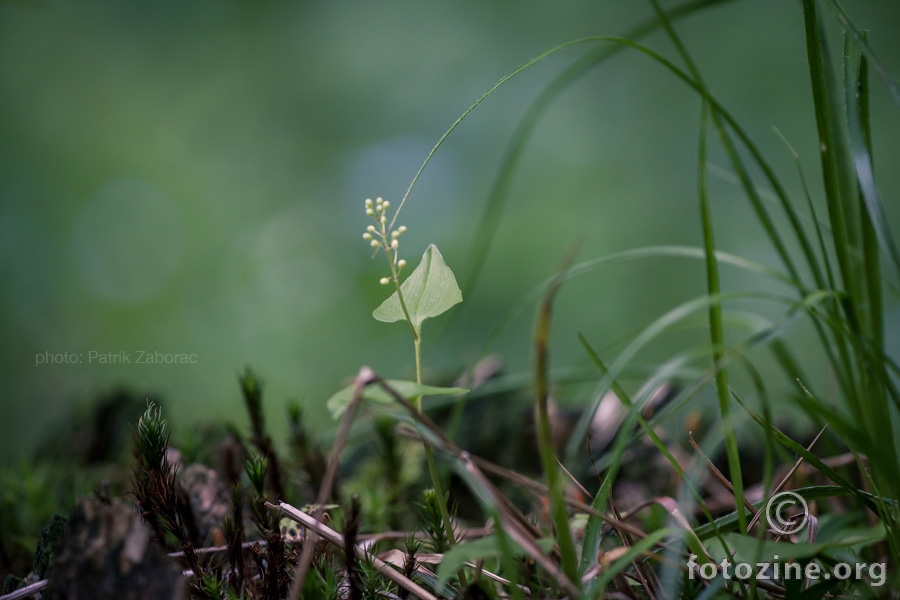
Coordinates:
x,y
189,178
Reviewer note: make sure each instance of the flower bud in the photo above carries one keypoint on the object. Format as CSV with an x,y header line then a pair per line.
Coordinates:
x,y
375,243
370,212
368,203
370,229
395,235
401,229
395,244
384,281
367,236
383,219
386,205
401,263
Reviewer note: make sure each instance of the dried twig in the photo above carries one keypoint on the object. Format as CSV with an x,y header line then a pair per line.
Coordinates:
x,y
26,592
790,474
335,538
364,378
514,528
720,477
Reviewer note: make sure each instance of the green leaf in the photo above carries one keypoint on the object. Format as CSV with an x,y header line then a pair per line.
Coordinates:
x,y
429,291
409,390
487,547
748,548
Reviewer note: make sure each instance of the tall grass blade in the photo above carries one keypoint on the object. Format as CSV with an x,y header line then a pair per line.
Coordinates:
x,y
716,331
860,39
857,101
558,509
499,190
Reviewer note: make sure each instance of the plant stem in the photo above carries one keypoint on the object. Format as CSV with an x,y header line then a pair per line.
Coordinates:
x,y
429,456
395,275
417,342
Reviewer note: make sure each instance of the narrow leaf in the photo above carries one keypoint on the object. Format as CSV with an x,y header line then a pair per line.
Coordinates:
x,y
338,403
746,547
487,547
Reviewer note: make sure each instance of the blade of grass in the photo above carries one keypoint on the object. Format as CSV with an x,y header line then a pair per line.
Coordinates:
x,y
853,226
525,128
728,523
592,530
759,338
809,457
716,332
874,233
857,101
632,555
679,313
624,257
558,510
836,170
512,527
860,39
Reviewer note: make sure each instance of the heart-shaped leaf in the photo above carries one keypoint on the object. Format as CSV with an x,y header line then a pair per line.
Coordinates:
x,y
429,291
409,390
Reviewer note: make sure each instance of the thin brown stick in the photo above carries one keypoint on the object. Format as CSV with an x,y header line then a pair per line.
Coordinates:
x,y
335,538
535,487
720,477
514,529
364,378
571,477
790,474
27,591
645,580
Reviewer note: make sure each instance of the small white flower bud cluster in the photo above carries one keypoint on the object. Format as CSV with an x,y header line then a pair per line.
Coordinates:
x,y
378,236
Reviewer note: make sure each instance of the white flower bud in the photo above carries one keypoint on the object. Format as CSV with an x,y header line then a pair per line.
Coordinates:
x,y
395,235
401,229
386,205
384,281
370,212
375,243
383,220
395,244
370,229
368,203
401,263
367,236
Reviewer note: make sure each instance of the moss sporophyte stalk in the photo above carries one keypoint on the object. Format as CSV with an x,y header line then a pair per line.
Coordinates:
x,y
429,291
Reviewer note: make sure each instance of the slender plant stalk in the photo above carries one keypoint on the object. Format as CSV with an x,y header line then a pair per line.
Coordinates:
x,y
429,455
558,510
717,334
715,309
384,236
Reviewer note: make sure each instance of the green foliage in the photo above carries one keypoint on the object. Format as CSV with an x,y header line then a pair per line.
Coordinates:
x,y
639,556
429,291
429,510
50,535
153,437
256,467
408,390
